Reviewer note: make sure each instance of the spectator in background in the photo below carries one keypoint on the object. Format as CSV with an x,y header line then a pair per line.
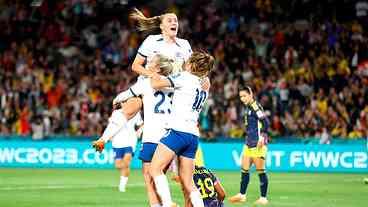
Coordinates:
x,y
69,75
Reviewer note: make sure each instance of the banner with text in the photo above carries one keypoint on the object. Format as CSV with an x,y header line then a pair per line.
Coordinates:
x,y
293,157
223,156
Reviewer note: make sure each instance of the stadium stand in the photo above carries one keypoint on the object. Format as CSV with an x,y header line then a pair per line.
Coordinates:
x,y
62,63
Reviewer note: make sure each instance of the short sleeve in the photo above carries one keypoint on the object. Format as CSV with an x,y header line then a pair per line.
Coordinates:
x,y
188,50
258,110
177,80
139,87
146,47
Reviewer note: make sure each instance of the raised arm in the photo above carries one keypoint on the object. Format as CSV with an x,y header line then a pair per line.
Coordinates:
x,y
137,66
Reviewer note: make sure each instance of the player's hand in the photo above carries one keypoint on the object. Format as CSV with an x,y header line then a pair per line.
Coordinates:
x,y
98,145
262,141
260,144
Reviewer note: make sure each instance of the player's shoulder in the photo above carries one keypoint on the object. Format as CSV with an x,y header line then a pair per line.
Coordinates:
x,y
143,81
155,38
256,106
183,43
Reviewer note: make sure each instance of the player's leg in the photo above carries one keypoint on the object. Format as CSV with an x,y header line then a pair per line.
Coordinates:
x,y
125,170
122,163
161,158
186,169
119,118
153,197
244,181
260,163
146,154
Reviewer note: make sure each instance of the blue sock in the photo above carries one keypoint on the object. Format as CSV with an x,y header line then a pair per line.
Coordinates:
x,y
244,181
263,182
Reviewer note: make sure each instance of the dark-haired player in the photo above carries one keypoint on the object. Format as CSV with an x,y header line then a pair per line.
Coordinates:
x,y
255,149
213,194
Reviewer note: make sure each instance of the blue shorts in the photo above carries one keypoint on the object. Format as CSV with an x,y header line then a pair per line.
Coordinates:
x,y
182,143
120,152
147,151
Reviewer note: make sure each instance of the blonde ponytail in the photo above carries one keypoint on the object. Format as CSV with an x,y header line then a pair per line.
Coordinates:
x,y
146,24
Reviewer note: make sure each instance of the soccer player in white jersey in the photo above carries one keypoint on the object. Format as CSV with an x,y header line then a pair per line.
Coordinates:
x,y
182,138
157,104
166,43
156,109
123,144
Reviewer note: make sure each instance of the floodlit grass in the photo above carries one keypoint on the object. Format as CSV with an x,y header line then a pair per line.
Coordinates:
x,y
87,187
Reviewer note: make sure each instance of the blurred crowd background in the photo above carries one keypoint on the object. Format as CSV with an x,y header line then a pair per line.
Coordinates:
x,y
62,63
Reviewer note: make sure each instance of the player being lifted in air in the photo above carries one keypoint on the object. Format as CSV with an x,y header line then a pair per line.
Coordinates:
x,y
255,149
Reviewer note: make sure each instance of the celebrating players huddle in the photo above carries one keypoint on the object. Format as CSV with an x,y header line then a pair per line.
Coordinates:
x,y
172,88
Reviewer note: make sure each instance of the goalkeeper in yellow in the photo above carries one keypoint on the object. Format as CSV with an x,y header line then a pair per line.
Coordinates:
x,y
255,148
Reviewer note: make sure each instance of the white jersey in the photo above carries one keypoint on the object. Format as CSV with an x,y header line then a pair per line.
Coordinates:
x,y
127,136
156,109
187,102
179,51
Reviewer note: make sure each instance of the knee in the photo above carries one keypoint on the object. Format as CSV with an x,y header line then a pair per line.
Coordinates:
x,y
154,171
128,158
119,164
187,185
147,175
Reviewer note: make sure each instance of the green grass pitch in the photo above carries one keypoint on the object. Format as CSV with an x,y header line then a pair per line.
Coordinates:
x,y
89,187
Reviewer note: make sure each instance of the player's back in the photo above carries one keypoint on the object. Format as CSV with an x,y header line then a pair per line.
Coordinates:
x,y
156,109
205,181
187,102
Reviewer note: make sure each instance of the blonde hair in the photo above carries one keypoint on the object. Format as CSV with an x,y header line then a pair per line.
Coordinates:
x,y
201,63
146,24
164,63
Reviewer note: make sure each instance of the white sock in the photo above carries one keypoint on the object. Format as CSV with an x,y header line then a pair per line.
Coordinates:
x,y
196,199
156,205
117,121
123,181
163,189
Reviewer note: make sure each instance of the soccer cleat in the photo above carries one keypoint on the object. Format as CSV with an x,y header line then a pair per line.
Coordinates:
x,y
238,198
261,201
